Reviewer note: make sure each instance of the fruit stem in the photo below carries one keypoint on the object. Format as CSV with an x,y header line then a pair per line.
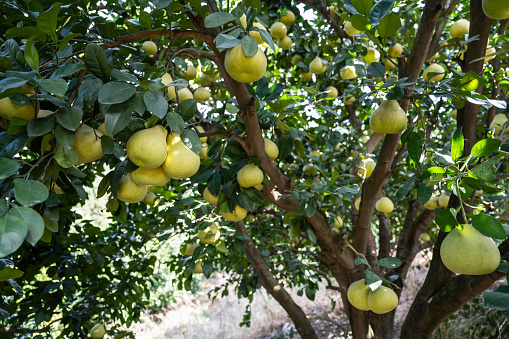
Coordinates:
x,y
461,201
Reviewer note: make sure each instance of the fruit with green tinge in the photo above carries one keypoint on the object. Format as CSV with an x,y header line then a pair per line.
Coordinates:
x,y
357,203
210,234
285,43
98,331
150,176
128,191
443,200
149,47
288,18
271,148
297,58
316,66
166,79
87,143
349,99
331,91
496,9
181,162
434,68
350,30
384,205
9,109
357,295
147,148
338,222
238,214
395,50
468,251
250,176
184,94
347,73
150,198
389,118
244,69
307,76
459,28
201,95
382,300
367,167
424,237
211,199
198,268
372,55
498,123
278,30
389,63
190,73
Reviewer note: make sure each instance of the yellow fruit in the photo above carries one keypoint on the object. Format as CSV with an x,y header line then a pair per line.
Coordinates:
x,y
498,123
285,43
389,63
372,55
205,80
316,66
181,162
256,34
347,73
297,58
348,99
288,18
382,300
87,143
443,200
101,128
307,76
249,176
271,148
338,222
238,214
147,148
198,268
490,50
434,68
43,113
333,10
185,94
243,69
149,198
316,154
367,167
384,205
201,95
190,73
350,30
459,28
454,114
424,237
395,50
9,109
190,250
469,252
432,204
496,9
203,153
331,91
357,203
389,118
278,30
128,191
150,176
201,130
211,199
149,47
209,235
358,295
166,79
98,331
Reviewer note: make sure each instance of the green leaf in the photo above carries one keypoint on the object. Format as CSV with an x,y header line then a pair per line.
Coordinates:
x,y
424,193
458,143
473,183
123,76
34,222
115,122
47,21
191,139
96,62
376,70
485,147
267,38
470,82
65,41
66,70
373,280
249,46
489,226
146,19
11,145
310,233
415,147
70,118
362,6
115,92
446,220
31,54
389,25
487,170
379,10
389,262
156,103
404,189
218,19
8,167
224,41
310,293
175,122
55,86
498,299
65,138
66,158
188,109
10,273
25,32
360,261
360,22
13,231
395,94
29,192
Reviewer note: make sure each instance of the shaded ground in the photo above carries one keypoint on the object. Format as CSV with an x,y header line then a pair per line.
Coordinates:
x,y
195,316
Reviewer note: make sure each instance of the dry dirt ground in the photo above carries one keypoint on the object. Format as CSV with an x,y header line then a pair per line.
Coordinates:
x,y
195,316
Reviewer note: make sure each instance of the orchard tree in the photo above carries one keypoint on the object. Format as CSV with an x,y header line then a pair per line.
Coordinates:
x,y
286,143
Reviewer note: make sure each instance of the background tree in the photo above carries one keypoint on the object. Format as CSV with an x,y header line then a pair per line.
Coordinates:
x,y
85,83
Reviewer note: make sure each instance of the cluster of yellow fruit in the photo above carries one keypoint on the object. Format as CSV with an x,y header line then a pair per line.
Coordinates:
x,y
160,157
201,94
380,301
441,201
279,30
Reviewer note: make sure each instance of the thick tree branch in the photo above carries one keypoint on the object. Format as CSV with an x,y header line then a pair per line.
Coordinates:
x,y
324,11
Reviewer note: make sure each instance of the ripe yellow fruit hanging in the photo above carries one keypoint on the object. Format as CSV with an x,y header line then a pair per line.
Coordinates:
x,y
87,143
382,300
147,148
128,191
250,176
389,118
181,162
244,69
357,295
